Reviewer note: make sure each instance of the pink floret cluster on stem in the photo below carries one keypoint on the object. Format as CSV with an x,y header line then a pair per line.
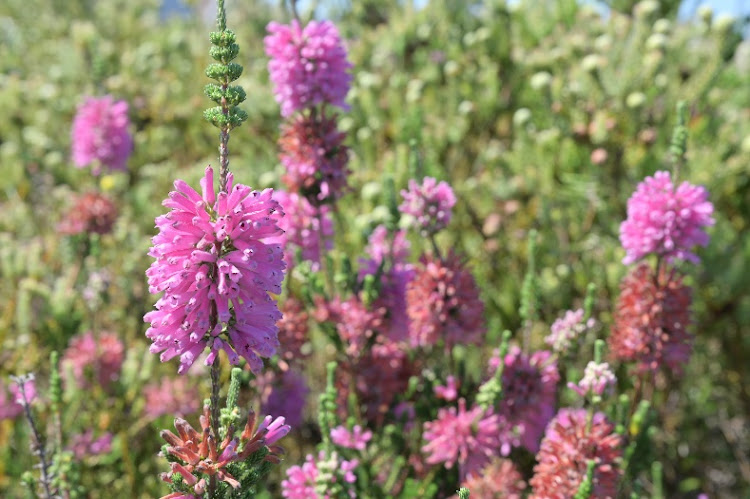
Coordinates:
x,y
100,134
216,271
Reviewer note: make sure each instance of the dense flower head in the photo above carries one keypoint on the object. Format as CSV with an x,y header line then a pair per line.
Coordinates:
x,y
284,393
308,65
378,377
313,152
356,323
443,303
212,263
91,213
84,444
356,438
597,379
100,356
470,438
651,321
390,252
500,479
529,392
304,226
175,396
100,134
566,330
567,447
666,221
198,456
293,330
431,204
309,480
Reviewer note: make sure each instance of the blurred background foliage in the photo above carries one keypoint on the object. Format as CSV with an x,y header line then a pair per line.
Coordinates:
x,y
541,118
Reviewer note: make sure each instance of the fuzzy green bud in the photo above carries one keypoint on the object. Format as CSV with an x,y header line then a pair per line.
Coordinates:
x,y
463,493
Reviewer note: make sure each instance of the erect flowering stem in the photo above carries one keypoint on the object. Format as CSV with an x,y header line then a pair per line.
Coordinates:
x,y
37,444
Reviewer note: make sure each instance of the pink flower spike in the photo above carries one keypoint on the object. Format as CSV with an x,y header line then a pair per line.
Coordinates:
x,y
354,439
431,204
666,221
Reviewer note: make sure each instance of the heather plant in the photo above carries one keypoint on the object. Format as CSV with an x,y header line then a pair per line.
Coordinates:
x,y
553,308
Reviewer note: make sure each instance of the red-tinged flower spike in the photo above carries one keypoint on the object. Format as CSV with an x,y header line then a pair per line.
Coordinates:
x,y
666,221
91,213
308,65
651,321
569,444
529,392
431,204
312,150
216,272
498,480
101,355
293,330
443,304
469,438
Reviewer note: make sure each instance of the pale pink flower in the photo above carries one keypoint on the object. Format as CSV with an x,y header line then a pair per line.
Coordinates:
x,y
597,378
308,66
498,480
355,438
100,134
448,392
666,221
302,480
568,329
83,444
215,270
430,203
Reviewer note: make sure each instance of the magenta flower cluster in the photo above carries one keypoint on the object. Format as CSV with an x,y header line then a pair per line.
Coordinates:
x,y
100,134
212,263
301,481
308,66
666,221
356,438
430,204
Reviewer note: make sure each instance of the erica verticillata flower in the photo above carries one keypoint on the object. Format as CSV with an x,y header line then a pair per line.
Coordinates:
x,y
303,225
498,480
90,213
529,392
651,321
356,323
443,304
308,66
312,150
448,392
566,330
569,443
431,204
293,330
284,393
356,438
97,356
198,456
216,273
665,220
469,438
327,477
100,134
84,444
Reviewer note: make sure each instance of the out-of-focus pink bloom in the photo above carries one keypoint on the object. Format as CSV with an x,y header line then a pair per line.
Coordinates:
x,y
470,438
529,392
448,392
293,330
597,378
304,225
284,393
443,303
355,322
302,481
568,329
91,213
83,445
211,258
405,414
308,65
175,396
354,439
498,480
568,445
651,321
382,247
666,221
99,357
11,402
431,204
313,152
100,134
